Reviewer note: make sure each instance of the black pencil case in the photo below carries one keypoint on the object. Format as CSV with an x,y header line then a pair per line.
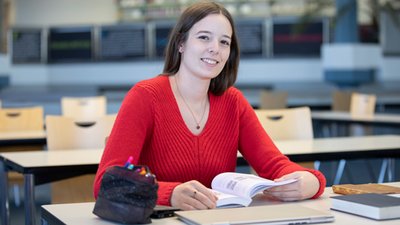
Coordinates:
x,y
127,195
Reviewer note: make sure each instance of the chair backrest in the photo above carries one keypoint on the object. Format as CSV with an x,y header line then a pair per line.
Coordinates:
x,y
21,119
273,99
284,124
362,105
341,101
84,108
65,133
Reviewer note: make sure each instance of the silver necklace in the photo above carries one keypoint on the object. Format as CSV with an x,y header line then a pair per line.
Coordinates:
x,y
187,105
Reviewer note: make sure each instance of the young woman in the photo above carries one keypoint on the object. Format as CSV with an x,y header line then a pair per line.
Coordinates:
x,y
188,123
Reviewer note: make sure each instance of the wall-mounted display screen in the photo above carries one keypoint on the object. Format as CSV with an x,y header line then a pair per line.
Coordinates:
x,y
70,44
293,39
161,35
251,37
368,34
390,35
26,45
120,42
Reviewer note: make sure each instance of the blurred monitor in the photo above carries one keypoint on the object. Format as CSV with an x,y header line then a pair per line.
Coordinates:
x,y
251,37
390,33
292,39
368,33
70,44
26,45
161,37
122,42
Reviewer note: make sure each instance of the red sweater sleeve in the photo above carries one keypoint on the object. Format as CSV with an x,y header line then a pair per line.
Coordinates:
x,y
262,154
133,126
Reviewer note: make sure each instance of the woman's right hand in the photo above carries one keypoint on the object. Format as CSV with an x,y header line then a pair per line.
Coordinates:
x,y
193,195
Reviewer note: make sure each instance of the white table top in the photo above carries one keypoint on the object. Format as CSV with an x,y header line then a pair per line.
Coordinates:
x,y
18,135
81,213
339,144
354,147
346,116
31,159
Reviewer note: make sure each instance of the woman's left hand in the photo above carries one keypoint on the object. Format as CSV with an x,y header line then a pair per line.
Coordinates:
x,y
306,186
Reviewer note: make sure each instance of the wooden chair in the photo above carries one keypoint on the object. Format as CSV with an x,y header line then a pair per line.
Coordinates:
x,y
65,133
288,124
20,120
359,105
273,99
84,108
341,101
362,105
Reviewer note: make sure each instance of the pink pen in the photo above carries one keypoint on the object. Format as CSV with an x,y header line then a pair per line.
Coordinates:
x,y
130,159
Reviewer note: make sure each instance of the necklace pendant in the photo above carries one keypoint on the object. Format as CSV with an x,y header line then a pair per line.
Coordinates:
x,y
198,127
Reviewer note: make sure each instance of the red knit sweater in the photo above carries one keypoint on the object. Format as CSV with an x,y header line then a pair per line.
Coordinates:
x,y
150,128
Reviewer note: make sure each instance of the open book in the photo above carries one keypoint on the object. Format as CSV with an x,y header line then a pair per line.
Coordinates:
x,y
238,189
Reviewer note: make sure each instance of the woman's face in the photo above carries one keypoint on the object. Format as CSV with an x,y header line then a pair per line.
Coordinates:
x,y
207,47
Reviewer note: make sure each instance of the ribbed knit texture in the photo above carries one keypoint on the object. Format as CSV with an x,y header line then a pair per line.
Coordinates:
x,y
150,128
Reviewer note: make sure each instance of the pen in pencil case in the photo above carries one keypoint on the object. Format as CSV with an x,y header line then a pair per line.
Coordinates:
x,y
142,170
128,162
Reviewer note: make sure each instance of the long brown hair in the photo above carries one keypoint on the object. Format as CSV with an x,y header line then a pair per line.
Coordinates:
x,y
179,35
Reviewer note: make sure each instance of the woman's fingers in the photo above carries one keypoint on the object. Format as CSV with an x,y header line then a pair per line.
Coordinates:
x,y
193,195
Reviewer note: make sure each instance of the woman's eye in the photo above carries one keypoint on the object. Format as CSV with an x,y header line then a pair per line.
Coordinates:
x,y
225,42
203,37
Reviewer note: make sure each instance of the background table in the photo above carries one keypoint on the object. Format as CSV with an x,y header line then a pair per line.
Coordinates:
x,y
379,119
19,138
40,167
374,146
338,148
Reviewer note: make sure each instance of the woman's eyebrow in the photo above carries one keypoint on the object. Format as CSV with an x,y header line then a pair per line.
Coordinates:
x,y
209,32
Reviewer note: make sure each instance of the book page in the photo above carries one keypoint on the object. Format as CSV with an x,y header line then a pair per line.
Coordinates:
x,y
244,185
227,200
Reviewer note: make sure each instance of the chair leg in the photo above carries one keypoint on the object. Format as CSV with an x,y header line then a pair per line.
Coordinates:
x,y
339,171
326,131
391,169
382,172
17,199
317,165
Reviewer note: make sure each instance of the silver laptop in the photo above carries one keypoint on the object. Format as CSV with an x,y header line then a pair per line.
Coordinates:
x,y
269,214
